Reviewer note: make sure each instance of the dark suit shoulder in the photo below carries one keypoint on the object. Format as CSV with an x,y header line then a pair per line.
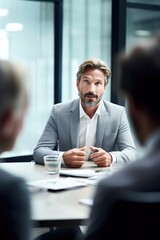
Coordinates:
x,y
133,176
14,207
6,176
12,182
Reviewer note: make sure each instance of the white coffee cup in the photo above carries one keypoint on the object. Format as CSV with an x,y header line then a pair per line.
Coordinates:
x,y
52,164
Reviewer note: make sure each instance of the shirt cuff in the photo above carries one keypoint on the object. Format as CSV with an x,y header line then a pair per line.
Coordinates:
x,y
114,160
61,157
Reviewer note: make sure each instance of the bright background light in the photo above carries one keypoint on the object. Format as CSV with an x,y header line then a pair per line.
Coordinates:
x,y
3,12
14,27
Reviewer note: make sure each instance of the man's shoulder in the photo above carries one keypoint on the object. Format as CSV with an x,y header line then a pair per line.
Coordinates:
x,y
130,175
112,105
66,105
112,108
12,186
9,179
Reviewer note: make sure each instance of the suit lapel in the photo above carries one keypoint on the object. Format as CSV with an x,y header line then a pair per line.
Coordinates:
x,y
74,123
101,125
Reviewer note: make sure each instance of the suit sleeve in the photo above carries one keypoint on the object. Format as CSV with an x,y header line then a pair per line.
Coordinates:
x,y
48,140
126,150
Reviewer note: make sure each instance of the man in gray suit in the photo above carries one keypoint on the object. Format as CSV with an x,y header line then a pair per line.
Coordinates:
x,y
139,78
14,196
88,128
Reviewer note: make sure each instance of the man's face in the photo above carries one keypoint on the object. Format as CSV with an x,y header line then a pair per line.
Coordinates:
x,y
91,87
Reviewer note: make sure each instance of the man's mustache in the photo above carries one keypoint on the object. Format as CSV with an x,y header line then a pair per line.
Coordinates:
x,y
89,94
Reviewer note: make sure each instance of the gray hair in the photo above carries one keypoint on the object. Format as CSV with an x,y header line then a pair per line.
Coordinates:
x,y
94,63
12,87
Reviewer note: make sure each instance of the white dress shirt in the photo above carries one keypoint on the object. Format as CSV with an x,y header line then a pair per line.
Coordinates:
x,y
87,130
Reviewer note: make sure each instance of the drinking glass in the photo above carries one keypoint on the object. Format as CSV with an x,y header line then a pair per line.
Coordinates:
x,y
52,164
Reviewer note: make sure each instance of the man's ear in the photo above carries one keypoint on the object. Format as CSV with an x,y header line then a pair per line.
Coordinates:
x,y
77,84
7,123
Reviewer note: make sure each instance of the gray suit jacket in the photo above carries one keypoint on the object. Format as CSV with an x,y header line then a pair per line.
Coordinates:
x,y
113,131
142,175
14,208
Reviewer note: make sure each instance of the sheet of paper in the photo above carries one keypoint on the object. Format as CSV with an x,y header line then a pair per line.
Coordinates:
x,y
60,184
86,201
77,172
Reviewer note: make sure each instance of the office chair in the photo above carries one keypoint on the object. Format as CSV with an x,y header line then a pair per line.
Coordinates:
x,y
134,215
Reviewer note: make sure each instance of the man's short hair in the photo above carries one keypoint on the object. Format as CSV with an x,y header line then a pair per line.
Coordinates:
x,y
139,75
94,63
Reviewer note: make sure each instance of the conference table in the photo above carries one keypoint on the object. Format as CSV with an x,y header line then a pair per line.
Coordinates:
x,y
56,208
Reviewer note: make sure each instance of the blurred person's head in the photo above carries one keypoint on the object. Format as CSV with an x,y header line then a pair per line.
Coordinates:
x,y
139,78
13,102
92,78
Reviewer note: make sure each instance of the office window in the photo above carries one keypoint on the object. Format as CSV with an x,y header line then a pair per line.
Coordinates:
x,y
141,24
86,33
32,44
145,1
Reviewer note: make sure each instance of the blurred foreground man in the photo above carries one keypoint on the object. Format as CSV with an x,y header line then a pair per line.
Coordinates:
x,y
139,79
14,196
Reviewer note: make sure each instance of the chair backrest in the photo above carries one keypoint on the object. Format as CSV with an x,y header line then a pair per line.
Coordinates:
x,y
134,215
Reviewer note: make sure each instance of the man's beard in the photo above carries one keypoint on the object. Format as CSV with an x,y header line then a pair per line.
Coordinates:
x,y
90,102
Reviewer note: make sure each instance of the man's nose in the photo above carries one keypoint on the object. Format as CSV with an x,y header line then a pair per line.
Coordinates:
x,y
92,88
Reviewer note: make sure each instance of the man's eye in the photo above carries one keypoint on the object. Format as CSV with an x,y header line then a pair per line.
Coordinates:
x,y
85,81
98,83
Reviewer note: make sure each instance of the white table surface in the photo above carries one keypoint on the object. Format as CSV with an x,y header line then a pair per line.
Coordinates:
x,y
54,208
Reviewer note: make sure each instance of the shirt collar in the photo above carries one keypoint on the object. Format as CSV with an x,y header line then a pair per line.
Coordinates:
x,y
82,112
